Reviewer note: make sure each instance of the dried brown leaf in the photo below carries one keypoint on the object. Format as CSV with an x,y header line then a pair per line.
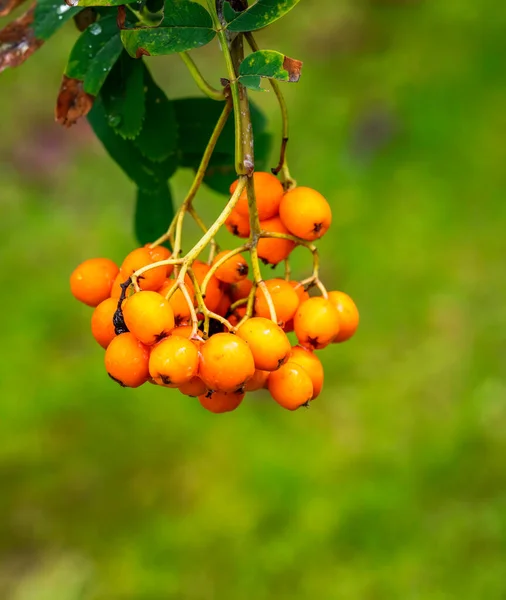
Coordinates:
x,y
293,67
72,102
17,41
7,6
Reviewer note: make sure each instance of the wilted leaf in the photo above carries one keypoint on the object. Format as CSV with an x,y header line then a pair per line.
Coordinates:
x,y
95,53
153,213
72,102
148,175
50,15
18,41
157,139
123,96
270,64
260,14
7,6
196,118
186,25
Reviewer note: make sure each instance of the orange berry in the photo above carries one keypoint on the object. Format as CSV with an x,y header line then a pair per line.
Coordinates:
x,y
316,323
178,301
258,381
102,327
116,286
226,362
232,270
149,316
91,282
126,360
240,290
238,224
174,361
267,341
271,250
184,331
305,213
161,253
141,257
290,386
220,402
284,298
214,292
303,295
311,364
195,387
268,194
348,315
237,315
224,305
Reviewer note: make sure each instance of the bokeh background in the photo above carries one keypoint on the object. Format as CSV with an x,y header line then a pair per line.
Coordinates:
x,y
393,485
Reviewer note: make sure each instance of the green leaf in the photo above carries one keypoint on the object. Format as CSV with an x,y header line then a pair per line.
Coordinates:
x,y
147,174
95,53
123,96
157,139
196,118
270,64
154,211
100,2
50,15
258,15
186,25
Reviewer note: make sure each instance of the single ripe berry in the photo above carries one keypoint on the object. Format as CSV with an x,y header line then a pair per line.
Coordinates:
x,y
149,316
220,402
348,315
116,286
258,381
268,195
240,290
195,387
290,386
224,305
214,292
159,253
267,341
226,362
178,300
102,327
91,282
236,316
238,224
284,298
311,364
185,331
273,250
316,323
305,213
126,360
233,269
151,279
174,361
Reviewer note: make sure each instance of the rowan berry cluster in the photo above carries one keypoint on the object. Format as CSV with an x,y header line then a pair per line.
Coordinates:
x,y
209,329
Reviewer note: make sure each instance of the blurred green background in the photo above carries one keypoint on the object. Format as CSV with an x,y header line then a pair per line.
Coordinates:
x,y
393,485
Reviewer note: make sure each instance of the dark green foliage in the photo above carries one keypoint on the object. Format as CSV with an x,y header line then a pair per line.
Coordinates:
x,y
260,14
123,96
153,212
95,54
50,15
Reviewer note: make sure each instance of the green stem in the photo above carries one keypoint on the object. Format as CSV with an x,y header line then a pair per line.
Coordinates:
x,y
202,84
282,167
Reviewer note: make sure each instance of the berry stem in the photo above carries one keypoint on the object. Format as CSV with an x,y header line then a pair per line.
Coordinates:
x,y
282,167
202,84
214,249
